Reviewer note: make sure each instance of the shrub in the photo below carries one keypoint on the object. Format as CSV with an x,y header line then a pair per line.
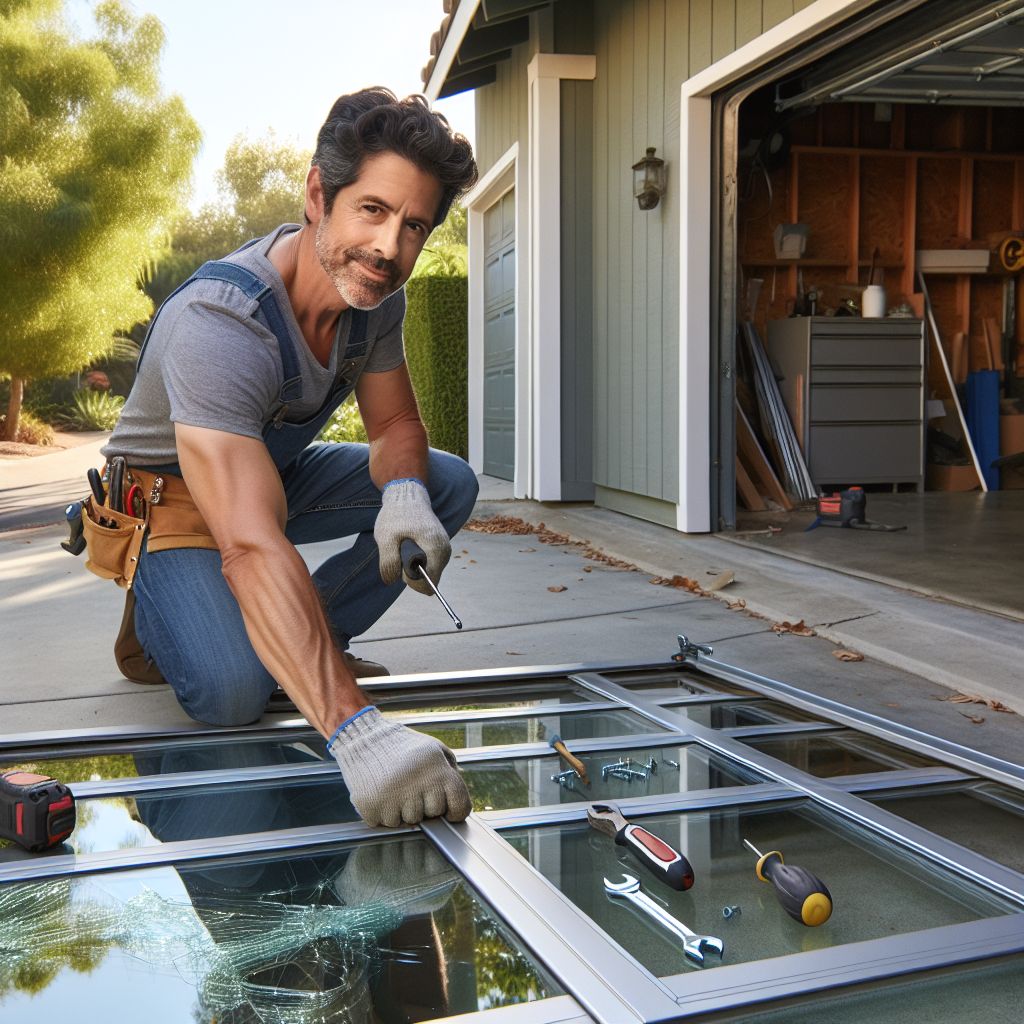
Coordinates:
x,y
436,348
346,425
31,429
94,410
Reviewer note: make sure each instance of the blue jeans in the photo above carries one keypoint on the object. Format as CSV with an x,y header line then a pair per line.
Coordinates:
x,y
188,621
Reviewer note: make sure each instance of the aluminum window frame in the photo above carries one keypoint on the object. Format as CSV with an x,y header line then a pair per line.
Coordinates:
x,y
476,846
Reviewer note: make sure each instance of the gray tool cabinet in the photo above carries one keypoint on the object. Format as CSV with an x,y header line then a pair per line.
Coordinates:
x,y
854,389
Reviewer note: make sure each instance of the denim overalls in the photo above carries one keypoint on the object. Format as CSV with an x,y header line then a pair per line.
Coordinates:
x,y
186,617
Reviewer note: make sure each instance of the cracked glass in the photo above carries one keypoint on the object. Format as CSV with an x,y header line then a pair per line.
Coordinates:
x,y
379,933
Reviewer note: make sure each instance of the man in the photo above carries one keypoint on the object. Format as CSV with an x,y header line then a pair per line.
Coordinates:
x,y
240,370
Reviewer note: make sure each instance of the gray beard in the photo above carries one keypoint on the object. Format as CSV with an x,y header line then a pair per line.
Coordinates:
x,y
357,293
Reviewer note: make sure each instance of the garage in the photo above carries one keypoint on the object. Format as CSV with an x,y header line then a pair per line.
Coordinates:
x,y
870,249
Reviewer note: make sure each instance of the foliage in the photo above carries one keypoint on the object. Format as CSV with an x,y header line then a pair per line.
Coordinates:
x,y
442,261
95,166
261,186
454,230
436,348
31,429
94,410
345,426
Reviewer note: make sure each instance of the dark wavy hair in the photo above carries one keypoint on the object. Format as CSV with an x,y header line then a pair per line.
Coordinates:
x,y
376,121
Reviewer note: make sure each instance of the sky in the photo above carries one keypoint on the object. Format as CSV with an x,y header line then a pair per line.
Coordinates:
x,y
250,66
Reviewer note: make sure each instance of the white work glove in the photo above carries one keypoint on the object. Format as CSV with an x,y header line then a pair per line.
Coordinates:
x,y
406,513
407,876
396,776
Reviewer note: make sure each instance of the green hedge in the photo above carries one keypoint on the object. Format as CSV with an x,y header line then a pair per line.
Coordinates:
x,y
436,349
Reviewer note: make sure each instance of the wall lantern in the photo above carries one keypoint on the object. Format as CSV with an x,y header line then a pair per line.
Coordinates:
x,y
649,180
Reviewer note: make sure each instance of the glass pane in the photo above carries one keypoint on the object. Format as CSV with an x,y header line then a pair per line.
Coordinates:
x,y
876,889
501,693
128,822
847,753
680,679
993,995
728,715
211,753
613,775
487,732
379,932
986,817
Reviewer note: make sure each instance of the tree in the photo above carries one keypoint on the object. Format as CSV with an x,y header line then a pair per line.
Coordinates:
x,y
261,186
94,166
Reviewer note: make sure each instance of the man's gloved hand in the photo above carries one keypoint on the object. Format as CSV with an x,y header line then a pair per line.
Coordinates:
x,y
396,776
408,876
406,512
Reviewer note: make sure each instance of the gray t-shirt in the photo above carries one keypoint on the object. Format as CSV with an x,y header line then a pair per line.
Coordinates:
x,y
210,363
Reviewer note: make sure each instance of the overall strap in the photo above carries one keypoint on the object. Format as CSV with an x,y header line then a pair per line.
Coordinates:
x,y
254,287
357,349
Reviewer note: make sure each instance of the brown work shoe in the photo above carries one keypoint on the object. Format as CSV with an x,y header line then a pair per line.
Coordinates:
x,y
363,669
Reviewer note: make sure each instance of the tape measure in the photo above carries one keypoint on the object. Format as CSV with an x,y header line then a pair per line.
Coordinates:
x,y
1011,253
37,812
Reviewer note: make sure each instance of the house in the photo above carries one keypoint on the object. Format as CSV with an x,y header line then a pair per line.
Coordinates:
x,y
603,351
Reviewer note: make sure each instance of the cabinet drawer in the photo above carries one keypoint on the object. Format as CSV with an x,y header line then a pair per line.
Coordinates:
x,y
870,453
864,404
876,375
852,351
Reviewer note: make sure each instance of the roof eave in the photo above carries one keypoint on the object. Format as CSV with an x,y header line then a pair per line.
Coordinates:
x,y
461,21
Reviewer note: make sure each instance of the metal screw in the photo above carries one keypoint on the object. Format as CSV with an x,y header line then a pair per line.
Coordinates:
x,y
730,911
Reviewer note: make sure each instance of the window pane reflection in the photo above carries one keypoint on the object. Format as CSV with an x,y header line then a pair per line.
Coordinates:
x,y
993,995
729,715
876,890
383,931
488,732
849,753
647,771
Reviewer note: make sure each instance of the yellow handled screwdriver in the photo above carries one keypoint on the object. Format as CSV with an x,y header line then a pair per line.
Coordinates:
x,y
804,896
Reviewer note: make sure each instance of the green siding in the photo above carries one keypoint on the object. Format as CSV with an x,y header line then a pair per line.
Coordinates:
x,y
620,265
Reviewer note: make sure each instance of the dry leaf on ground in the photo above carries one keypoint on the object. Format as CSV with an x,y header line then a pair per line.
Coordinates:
x,y
679,583
976,719
515,653
557,590
847,655
973,698
796,628
735,606
511,524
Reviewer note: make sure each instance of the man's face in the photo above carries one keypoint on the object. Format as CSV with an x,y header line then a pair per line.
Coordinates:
x,y
369,242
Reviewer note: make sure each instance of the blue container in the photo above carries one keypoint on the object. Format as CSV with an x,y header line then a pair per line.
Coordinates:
x,y
982,416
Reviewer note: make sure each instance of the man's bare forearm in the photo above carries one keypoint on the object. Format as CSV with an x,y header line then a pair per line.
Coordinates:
x,y
288,629
400,451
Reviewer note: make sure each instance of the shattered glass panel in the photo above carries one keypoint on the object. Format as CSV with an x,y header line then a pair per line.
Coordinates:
x,y
382,932
612,774
985,817
993,994
877,888
683,680
728,715
487,732
846,753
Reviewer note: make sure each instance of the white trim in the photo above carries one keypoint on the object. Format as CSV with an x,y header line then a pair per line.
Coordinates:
x,y
461,21
693,512
544,77
488,191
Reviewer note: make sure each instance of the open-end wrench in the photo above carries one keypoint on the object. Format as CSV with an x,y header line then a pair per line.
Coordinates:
x,y
693,944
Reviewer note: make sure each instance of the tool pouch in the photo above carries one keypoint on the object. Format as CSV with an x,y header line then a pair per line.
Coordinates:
x,y
112,552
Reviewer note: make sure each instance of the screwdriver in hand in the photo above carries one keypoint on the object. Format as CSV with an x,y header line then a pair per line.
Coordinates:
x,y
414,563
803,895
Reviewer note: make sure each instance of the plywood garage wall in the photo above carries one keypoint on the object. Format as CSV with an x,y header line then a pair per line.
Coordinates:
x,y
930,178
